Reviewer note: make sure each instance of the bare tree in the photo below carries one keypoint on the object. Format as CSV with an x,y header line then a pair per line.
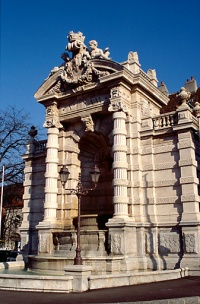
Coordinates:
x,y
14,126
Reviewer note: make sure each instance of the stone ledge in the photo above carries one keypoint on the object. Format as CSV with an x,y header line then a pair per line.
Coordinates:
x,y
133,278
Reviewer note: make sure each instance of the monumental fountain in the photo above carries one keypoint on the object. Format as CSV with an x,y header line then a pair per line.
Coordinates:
x,y
111,198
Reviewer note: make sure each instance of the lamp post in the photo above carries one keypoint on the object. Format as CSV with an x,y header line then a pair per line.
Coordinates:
x,y
79,191
1,202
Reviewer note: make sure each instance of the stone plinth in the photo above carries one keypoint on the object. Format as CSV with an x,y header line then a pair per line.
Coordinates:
x,y
81,275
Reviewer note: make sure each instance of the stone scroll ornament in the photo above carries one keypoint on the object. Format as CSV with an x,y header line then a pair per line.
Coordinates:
x,y
78,70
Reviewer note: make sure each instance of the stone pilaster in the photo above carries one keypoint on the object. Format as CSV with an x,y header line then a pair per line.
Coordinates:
x,y
33,196
188,179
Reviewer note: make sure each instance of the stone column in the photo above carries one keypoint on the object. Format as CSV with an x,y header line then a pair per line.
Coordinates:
x,y
120,164
51,180
51,175
121,226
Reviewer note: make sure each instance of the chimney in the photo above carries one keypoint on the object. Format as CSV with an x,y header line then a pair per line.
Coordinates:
x,y
162,87
191,85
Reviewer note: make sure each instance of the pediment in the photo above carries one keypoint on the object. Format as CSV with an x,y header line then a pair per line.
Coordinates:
x,y
57,84
83,69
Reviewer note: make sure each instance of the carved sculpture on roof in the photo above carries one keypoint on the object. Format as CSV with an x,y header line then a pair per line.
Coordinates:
x,y
79,70
184,97
96,52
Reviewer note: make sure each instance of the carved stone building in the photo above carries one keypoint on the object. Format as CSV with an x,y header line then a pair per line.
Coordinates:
x,y
145,211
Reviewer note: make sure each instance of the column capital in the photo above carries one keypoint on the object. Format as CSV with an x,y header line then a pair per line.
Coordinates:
x,y
117,104
52,117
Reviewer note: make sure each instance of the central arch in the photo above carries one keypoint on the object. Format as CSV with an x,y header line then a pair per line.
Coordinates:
x,y
95,150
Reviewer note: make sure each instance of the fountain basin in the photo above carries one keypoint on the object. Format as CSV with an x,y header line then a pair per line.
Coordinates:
x,y
82,279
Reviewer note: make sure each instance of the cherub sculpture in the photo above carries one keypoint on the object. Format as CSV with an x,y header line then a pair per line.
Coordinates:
x,y
96,52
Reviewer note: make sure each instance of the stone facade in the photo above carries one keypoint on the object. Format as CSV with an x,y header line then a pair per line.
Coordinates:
x,y
144,212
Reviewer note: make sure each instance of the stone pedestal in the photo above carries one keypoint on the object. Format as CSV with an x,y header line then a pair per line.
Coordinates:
x,y
81,275
122,237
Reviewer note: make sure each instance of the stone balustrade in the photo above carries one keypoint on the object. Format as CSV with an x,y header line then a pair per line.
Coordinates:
x,y
165,120
40,146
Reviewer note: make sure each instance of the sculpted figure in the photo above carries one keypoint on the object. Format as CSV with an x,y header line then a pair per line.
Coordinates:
x,y
78,70
76,44
96,52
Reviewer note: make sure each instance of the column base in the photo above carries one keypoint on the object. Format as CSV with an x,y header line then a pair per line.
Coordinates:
x,y
120,221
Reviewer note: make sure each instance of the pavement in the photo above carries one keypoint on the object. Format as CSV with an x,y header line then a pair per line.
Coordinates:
x,y
181,291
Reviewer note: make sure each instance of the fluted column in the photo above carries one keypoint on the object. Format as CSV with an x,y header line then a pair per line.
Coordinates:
x,y
51,175
119,150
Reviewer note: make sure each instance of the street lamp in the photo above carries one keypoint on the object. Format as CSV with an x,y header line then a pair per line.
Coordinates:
x,y
64,174
79,191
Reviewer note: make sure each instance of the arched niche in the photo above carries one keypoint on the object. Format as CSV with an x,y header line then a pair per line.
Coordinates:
x,y
96,150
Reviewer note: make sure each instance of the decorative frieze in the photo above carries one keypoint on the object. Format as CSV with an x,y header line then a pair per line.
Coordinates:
x,y
158,200
147,150
148,167
165,183
144,201
164,148
164,166
187,162
169,243
189,198
136,184
185,144
136,151
83,104
142,184
187,180
190,243
135,167
167,200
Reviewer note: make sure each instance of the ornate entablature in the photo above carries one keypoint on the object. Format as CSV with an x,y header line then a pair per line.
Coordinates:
x,y
77,106
79,69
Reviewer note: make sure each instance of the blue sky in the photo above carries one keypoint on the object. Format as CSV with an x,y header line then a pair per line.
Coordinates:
x,y
166,35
